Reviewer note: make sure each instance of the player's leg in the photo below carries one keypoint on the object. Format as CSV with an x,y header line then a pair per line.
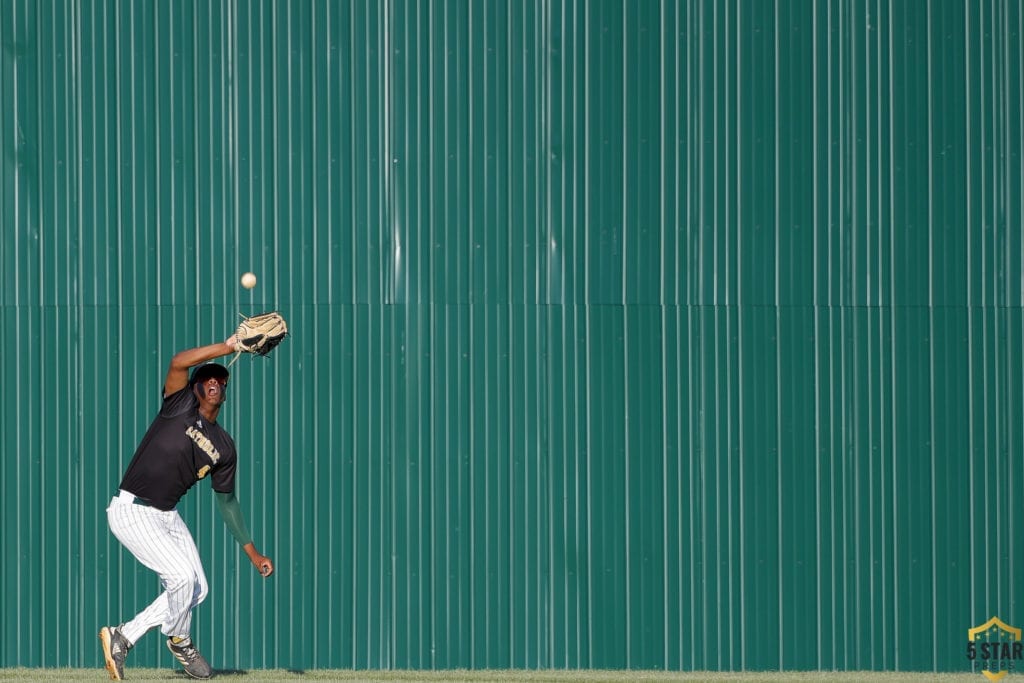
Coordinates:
x,y
179,623
181,604
162,542
128,528
154,537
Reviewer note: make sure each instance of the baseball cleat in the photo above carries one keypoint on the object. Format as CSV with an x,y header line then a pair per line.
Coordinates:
x,y
185,652
115,649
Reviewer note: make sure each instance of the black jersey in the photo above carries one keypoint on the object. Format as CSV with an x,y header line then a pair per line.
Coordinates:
x,y
180,448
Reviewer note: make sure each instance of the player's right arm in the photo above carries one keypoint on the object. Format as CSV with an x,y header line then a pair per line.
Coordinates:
x,y
177,372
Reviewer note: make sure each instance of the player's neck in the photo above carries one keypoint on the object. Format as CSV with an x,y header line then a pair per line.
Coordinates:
x,y
209,412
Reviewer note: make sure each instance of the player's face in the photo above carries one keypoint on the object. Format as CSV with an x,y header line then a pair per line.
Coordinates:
x,y
214,389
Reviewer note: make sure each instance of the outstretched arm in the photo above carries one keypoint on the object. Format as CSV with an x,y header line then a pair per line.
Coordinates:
x,y
177,373
231,511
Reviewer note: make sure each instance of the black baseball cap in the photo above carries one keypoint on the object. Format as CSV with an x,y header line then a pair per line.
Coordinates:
x,y
206,371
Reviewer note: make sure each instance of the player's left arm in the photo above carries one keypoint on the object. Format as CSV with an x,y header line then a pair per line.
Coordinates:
x,y
231,511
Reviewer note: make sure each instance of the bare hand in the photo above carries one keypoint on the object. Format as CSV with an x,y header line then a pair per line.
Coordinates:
x,y
263,565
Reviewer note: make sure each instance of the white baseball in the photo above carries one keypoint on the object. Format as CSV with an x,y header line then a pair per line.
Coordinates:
x,y
248,280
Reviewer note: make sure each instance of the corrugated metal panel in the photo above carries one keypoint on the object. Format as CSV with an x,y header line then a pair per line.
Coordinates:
x,y
626,334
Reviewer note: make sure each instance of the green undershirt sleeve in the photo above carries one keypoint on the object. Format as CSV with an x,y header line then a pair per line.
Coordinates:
x,y
231,511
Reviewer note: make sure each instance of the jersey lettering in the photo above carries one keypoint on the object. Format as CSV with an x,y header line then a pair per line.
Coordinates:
x,y
204,444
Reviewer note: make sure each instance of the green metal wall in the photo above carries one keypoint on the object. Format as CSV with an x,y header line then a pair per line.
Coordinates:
x,y
642,334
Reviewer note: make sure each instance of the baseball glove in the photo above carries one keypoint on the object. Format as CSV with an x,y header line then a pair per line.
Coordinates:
x,y
260,334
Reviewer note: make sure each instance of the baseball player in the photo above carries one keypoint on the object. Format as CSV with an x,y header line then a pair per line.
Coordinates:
x,y
183,445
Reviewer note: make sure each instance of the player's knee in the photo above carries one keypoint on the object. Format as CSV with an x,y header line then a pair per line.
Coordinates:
x,y
178,581
202,589
187,582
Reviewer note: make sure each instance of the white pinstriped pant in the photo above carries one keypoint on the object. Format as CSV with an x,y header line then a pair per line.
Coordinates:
x,y
162,542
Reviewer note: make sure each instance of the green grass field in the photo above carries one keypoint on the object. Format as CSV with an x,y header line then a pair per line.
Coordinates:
x,y
555,676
